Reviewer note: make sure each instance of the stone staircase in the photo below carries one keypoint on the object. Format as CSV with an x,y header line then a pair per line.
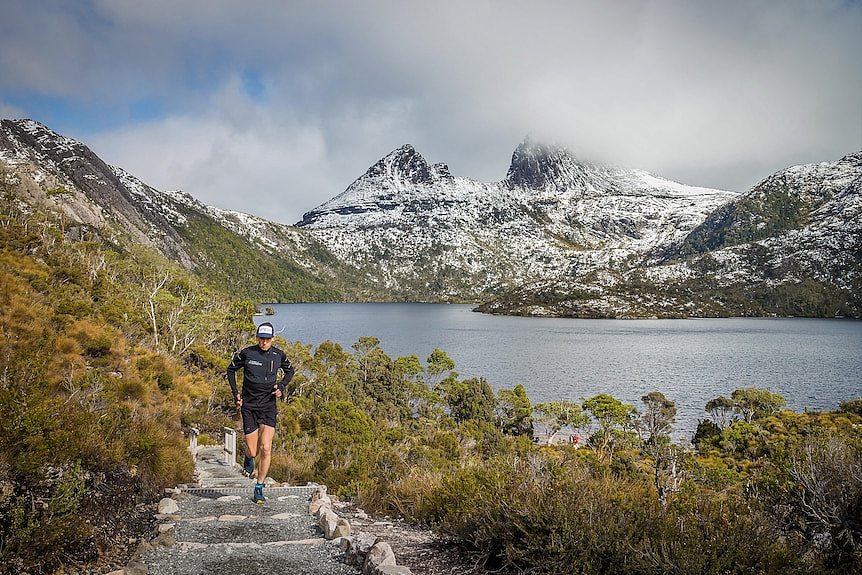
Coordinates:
x,y
215,528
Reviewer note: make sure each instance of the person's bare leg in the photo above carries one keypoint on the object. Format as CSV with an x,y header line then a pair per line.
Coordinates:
x,y
251,441
267,433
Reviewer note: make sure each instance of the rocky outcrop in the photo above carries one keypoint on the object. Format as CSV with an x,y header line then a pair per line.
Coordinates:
x,y
537,166
407,164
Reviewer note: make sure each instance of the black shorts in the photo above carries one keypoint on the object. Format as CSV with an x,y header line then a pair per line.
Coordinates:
x,y
254,417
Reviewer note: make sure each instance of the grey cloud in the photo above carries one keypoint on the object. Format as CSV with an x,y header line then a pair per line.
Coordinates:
x,y
713,94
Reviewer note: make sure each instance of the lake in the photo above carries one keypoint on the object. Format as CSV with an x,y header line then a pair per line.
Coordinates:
x,y
813,363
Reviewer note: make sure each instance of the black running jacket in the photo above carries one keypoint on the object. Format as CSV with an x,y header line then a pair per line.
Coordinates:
x,y
260,369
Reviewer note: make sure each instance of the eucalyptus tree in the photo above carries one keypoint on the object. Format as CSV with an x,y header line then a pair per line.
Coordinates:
x,y
420,399
721,410
469,399
614,418
755,402
363,348
378,386
514,411
658,416
656,425
439,366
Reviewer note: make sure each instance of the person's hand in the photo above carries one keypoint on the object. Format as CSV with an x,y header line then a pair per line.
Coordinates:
x,y
276,391
238,400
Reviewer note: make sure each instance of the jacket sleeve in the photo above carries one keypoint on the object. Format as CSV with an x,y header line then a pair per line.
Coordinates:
x,y
236,364
287,371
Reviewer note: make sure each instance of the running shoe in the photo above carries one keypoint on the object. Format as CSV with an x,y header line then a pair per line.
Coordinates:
x,y
258,494
248,466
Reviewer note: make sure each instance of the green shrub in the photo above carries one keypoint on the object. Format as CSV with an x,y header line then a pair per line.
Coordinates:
x,y
160,457
550,516
852,406
165,381
345,435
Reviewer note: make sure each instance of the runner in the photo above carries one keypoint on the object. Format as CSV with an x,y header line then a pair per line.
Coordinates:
x,y
260,389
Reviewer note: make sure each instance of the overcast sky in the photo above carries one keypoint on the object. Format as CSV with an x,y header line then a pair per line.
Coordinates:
x,y
273,107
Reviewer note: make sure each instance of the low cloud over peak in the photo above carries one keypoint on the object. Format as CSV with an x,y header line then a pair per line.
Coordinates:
x,y
290,103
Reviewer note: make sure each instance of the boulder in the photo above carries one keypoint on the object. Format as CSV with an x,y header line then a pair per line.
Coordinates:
x,y
327,523
364,542
342,528
316,504
380,554
359,547
168,506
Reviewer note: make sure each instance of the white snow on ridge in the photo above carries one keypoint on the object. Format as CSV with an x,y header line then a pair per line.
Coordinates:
x,y
578,219
407,224
49,139
656,183
149,197
509,234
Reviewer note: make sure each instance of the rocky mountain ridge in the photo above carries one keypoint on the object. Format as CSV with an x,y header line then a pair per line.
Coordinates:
x,y
556,236
559,236
790,246
552,216
237,251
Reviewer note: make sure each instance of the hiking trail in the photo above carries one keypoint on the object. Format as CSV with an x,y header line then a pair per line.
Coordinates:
x,y
218,530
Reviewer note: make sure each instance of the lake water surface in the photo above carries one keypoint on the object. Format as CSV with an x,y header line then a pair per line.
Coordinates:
x,y
813,363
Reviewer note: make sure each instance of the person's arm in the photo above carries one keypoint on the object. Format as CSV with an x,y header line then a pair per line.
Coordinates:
x,y
236,364
287,373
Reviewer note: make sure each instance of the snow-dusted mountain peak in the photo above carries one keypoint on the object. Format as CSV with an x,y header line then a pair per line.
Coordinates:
x,y
540,166
407,165
40,140
401,177
552,216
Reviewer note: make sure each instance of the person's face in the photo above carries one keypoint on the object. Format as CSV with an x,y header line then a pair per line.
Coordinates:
x,y
264,343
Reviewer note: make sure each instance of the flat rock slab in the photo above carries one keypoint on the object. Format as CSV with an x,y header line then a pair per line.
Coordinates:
x,y
193,506
319,559
252,530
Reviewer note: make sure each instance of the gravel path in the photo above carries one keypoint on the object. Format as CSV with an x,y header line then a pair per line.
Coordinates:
x,y
220,531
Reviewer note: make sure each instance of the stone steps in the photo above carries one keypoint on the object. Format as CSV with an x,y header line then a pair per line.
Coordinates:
x,y
219,530
214,528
